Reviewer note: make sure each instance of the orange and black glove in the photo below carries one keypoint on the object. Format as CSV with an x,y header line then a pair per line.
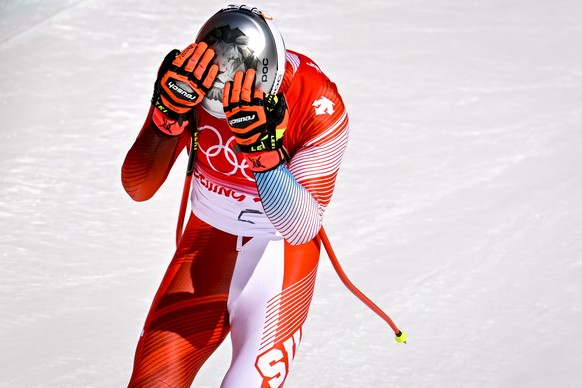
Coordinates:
x,y
183,80
257,120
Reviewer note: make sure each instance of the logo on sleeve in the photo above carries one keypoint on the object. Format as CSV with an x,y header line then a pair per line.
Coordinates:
x,y
323,105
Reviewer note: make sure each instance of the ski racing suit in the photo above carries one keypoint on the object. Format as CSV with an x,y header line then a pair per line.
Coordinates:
x,y
247,261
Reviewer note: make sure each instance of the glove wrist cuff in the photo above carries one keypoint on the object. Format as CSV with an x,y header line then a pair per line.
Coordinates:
x,y
165,119
266,160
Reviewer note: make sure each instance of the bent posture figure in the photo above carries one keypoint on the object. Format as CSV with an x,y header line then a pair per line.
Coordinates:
x,y
271,130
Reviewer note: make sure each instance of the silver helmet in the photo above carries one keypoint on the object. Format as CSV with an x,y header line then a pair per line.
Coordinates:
x,y
243,37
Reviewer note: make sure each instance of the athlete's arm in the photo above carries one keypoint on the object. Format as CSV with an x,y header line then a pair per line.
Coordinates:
x,y
183,80
150,159
295,197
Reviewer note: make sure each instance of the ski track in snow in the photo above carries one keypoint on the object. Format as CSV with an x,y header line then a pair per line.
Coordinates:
x,y
457,210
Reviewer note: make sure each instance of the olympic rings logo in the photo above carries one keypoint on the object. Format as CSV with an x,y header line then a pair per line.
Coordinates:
x,y
225,149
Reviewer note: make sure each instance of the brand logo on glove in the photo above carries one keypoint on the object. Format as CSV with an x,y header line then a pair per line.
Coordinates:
x,y
181,92
245,120
256,162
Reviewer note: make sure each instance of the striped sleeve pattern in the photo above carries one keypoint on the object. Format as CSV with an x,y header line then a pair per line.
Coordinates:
x,y
289,206
315,166
295,198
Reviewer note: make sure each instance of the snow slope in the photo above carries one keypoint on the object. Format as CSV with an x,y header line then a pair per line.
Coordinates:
x,y
458,209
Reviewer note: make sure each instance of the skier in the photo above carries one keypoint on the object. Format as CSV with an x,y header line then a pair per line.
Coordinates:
x,y
271,130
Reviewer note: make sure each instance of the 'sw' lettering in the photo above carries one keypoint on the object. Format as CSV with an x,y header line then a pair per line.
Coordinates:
x,y
274,364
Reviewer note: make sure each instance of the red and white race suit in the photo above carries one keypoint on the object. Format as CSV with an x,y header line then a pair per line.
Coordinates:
x,y
247,261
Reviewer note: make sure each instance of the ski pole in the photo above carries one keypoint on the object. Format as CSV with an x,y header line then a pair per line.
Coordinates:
x,y
187,184
401,336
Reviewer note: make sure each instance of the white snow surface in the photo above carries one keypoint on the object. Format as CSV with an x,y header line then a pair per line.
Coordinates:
x,y
458,209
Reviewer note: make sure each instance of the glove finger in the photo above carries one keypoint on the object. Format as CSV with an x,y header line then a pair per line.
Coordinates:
x,y
194,57
202,64
236,87
209,80
226,95
248,86
194,60
184,55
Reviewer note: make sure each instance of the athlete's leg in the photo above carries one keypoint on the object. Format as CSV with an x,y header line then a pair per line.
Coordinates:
x,y
188,318
270,294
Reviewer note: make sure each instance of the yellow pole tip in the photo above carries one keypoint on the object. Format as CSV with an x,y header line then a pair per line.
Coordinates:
x,y
401,337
